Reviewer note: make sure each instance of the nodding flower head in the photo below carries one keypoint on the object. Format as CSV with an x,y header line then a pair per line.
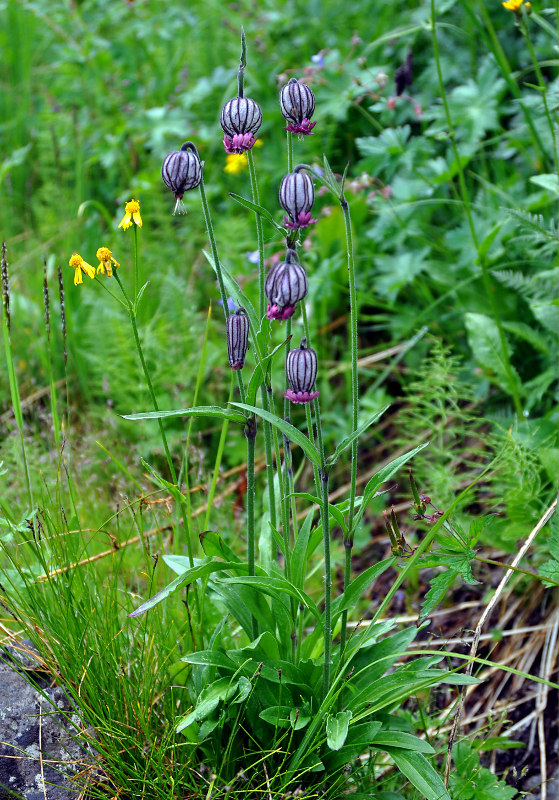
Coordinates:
x,y
286,284
296,196
301,365
240,120
182,171
237,338
297,106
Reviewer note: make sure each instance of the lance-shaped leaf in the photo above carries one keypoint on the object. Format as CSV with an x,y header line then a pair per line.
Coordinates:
x,y
235,292
195,411
346,441
258,210
292,433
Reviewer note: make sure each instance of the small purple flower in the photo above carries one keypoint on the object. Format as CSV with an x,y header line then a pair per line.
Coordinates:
x,y
318,59
277,312
231,305
303,221
305,127
286,284
301,367
253,256
239,143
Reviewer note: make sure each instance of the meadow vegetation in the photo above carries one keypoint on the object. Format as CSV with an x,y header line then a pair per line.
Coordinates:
x,y
246,597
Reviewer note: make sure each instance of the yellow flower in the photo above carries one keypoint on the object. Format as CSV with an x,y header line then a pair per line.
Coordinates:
x,y
513,5
80,265
132,209
235,163
106,261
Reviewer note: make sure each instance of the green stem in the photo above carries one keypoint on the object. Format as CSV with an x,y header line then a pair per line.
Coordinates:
x,y
250,433
466,202
259,236
289,151
526,34
136,265
354,348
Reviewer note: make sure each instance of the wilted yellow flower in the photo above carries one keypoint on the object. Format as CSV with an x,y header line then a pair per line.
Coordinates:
x,y
235,163
79,265
513,5
106,261
132,209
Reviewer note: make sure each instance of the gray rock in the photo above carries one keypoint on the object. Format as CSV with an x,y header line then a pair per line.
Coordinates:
x,y
38,754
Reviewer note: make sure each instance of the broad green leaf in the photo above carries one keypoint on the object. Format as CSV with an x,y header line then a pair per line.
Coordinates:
x,y
400,739
419,772
358,739
276,587
210,697
548,181
210,658
279,716
292,433
197,411
356,588
191,575
349,439
213,545
337,728
484,339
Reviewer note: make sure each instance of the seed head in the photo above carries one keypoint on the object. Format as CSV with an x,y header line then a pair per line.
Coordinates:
x,y
5,284
46,301
286,284
301,367
297,106
182,171
296,196
237,338
240,116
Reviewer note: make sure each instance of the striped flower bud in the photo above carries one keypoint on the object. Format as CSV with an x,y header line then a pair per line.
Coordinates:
x,y
286,284
240,120
297,106
301,368
237,338
296,196
182,171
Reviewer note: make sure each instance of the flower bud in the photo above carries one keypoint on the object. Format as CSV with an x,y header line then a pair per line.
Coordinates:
x,y
240,120
296,196
237,338
301,365
182,171
297,106
286,284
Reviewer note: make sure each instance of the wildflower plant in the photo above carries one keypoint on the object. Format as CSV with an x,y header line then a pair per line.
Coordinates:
x,y
289,679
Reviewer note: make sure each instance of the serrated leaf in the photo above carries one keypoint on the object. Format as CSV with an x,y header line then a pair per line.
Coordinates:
x,y
440,584
337,728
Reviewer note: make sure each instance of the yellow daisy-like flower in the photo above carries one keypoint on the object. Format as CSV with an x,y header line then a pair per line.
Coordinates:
x,y
235,163
132,209
513,5
79,265
106,261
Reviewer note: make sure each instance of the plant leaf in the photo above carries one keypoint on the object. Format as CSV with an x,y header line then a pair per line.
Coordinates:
x,y
195,411
419,772
349,439
336,729
292,433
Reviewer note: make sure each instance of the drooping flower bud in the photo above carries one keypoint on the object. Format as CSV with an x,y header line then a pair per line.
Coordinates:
x,y
240,120
296,196
301,366
297,106
286,284
237,338
182,171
